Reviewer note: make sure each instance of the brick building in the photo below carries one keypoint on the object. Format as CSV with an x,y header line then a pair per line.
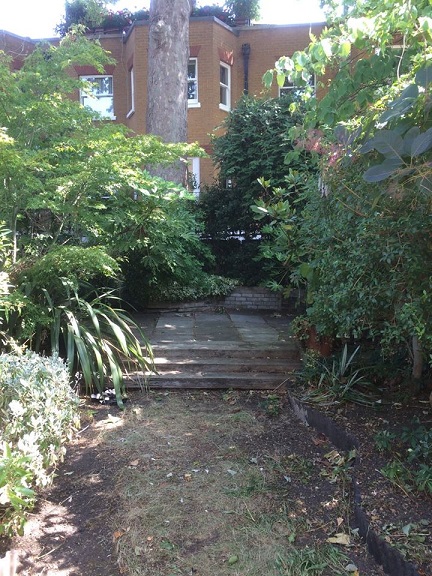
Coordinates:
x,y
224,63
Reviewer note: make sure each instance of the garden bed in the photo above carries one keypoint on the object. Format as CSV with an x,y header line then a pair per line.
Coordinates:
x,y
223,483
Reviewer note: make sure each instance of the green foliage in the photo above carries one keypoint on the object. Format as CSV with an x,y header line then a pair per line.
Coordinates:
x,y
236,259
311,561
38,414
253,146
243,9
59,182
168,255
412,469
94,14
71,266
282,249
70,186
202,286
339,381
365,247
98,339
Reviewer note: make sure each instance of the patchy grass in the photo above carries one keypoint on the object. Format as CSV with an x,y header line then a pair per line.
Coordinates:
x,y
214,484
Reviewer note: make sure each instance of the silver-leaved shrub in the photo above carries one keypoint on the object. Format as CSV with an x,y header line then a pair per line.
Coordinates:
x,y
38,415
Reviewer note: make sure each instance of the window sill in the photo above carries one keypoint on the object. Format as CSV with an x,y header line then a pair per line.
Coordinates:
x,y
225,108
194,104
130,113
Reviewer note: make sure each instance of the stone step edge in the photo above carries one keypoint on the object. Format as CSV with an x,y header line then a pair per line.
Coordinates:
x,y
226,382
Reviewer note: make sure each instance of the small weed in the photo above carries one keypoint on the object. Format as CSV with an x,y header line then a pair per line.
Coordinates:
x,y
419,441
312,561
298,466
338,466
253,483
384,440
272,405
407,538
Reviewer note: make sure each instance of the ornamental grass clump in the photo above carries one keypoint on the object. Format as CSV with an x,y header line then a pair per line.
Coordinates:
x,y
38,415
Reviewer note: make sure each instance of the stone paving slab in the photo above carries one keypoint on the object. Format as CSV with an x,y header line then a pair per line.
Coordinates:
x,y
232,349
242,328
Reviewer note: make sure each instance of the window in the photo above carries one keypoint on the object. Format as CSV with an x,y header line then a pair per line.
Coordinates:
x,y
194,176
225,87
292,89
193,83
98,95
131,92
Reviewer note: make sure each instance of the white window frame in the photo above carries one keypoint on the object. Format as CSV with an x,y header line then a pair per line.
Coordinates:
x,y
131,88
87,96
225,88
290,87
194,175
193,102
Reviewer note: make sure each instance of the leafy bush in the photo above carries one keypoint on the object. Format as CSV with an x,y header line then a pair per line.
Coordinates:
x,y
337,380
203,286
237,260
167,253
411,469
56,311
253,146
68,266
38,414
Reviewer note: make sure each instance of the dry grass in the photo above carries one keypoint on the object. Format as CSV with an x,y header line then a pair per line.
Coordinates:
x,y
207,493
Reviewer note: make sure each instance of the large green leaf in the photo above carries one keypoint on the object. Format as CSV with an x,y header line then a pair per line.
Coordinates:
x,y
382,171
389,143
422,143
424,76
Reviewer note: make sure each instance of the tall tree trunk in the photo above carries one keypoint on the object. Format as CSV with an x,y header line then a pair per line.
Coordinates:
x,y
167,77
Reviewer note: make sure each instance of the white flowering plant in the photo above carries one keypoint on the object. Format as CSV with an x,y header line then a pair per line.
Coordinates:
x,y
38,415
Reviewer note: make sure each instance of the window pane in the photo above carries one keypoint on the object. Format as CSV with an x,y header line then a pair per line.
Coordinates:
x,y
223,96
192,90
104,105
191,70
100,86
192,80
224,75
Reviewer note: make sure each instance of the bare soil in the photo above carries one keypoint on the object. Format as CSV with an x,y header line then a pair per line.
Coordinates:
x,y
213,484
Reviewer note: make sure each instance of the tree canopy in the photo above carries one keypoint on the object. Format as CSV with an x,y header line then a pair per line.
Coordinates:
x,y
363,236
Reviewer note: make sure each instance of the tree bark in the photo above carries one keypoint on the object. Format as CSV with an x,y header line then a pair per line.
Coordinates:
x,y
167,77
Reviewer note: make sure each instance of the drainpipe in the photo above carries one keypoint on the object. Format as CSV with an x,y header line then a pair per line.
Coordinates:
x,y
246,52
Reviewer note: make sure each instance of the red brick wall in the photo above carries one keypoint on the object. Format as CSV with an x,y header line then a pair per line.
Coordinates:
x,y
210,41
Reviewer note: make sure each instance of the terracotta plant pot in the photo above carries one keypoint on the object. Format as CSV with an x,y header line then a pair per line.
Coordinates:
x,y
321,344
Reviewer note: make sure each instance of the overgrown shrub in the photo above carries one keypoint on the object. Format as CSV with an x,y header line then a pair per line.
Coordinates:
x,y
237,260
68,266
38,414
203,286
253,147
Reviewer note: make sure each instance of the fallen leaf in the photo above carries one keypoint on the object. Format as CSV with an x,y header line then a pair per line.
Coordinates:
x,y
340,538
339,521
188,477
233,560
134,463
118,534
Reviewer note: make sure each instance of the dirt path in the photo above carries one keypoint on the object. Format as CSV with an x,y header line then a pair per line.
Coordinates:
x,y
205,484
